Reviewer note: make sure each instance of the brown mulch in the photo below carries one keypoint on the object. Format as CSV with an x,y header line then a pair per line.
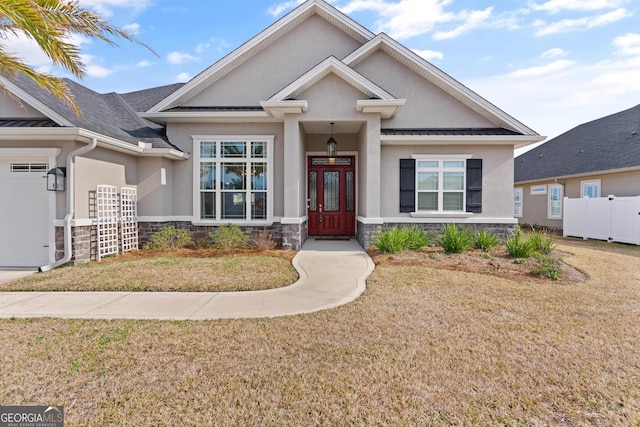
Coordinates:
x,y
497,262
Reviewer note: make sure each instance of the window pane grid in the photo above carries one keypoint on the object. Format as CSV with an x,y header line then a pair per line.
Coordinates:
x,y
440,185
233,180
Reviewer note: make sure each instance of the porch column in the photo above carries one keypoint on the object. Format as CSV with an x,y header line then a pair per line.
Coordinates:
x,y
372,171
293,172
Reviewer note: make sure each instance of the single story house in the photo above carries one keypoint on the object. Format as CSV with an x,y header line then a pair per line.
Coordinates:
x,y
314,127
595,159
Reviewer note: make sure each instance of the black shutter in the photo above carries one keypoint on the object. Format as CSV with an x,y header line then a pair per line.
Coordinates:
x,y
407,185
474,185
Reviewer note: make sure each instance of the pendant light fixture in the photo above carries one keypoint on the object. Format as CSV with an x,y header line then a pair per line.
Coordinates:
x,y
332,145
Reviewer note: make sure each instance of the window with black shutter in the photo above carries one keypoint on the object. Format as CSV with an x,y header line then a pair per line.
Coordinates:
x,y
440,185
407,185
474,185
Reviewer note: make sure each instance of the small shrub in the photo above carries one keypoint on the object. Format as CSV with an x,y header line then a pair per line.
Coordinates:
x,y
518,246
390,241
398,239
485,240
542,242
263,240
415,238
455,240
549,267
230,236
169,238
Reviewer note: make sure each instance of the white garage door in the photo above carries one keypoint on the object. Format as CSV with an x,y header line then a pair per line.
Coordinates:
x,y
24,213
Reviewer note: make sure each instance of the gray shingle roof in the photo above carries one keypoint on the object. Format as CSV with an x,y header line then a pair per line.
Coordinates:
x,y
451,132
7,122
611,142
143,100
106,114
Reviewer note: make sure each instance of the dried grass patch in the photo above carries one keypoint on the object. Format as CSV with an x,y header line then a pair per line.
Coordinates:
x,y
175,271
422,346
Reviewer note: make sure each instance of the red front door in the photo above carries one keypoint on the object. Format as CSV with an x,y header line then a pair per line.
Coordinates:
x,y
331,196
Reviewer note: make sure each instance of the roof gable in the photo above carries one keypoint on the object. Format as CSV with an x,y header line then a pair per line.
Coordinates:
x,y
264,39
605,144
332,66
438,78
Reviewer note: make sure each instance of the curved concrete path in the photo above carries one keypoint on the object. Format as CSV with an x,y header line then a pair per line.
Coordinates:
x,y
332,273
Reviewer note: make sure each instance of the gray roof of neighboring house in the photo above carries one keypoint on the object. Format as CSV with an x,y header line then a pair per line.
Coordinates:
x,y
451,132
608,143
106,114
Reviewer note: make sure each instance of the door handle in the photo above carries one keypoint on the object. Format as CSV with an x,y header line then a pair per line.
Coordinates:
x,y
320,207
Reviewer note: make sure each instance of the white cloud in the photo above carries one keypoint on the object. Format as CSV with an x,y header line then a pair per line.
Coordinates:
x,y
144,64
133,28
556,6
429,55
95,70
629,44
182,78
553,53
472,19
581,24
278,9
106,7
178,58
541,70
215,43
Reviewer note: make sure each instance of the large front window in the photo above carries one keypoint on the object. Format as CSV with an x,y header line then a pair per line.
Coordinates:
x,y
440,185
234,178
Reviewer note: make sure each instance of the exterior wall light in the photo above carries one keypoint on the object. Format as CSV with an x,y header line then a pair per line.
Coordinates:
x,y
332,145
55,179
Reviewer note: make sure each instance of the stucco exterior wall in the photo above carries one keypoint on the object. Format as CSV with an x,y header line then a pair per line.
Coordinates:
x,y
10,108
155,186
426,106
280,63
497,163
535,207
101,167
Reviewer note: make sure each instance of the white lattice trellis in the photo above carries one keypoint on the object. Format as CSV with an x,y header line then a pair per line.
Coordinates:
x,y
129,219
107,220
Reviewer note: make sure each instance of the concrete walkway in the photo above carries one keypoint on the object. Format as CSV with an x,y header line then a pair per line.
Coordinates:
x,y
332,273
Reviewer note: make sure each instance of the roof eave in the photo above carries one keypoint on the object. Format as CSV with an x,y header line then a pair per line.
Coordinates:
x,y
517,141
206,116
85,136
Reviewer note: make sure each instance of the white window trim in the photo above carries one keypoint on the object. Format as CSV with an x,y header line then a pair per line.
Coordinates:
x,y
521,190
541,189
441,212
197,139
598,182
551,187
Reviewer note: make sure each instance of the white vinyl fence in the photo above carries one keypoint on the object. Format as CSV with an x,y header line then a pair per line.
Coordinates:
x,y
615,219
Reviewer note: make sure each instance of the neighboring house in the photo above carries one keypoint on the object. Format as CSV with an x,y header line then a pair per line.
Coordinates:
x,y
596,159
245,142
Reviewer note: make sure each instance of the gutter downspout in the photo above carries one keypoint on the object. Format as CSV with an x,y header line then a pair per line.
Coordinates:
x,y
70,204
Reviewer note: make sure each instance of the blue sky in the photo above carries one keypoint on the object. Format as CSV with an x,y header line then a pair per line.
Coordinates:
x,y
552,64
